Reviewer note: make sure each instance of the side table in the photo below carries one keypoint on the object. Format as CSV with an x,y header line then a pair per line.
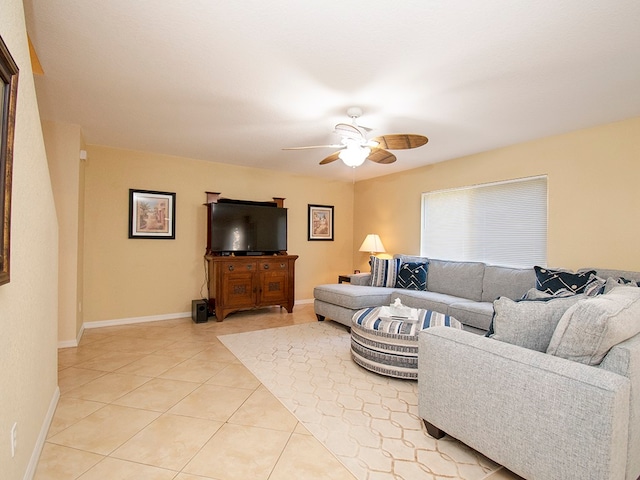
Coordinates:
x,y
344,278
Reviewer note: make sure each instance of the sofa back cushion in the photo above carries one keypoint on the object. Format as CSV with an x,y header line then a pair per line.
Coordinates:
x,y
410,258
507,282
461,279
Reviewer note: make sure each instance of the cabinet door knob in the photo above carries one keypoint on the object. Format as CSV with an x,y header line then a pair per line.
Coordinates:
x,y
266,266
231,268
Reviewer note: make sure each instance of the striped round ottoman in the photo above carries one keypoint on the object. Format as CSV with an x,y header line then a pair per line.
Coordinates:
x,y
389,345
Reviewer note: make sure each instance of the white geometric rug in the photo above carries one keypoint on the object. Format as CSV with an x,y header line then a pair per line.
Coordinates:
x,y
368,421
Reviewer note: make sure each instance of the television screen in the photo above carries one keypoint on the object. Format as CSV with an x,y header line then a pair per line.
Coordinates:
x,y
247,228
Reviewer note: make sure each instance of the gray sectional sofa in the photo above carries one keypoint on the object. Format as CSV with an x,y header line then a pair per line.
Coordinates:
x,y
464,290
539,414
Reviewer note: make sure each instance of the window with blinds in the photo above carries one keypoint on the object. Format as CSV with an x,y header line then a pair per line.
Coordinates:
x,y
501,223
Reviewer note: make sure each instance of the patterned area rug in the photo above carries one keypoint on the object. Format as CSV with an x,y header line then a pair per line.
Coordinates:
x,y
368,421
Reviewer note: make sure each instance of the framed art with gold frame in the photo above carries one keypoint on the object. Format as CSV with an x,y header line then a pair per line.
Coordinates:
x,y
8,97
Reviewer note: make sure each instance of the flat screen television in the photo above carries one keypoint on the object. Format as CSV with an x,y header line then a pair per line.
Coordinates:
x,y
245,229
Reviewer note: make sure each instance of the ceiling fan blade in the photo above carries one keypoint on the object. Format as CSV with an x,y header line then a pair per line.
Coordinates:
x,y
331,158
380,155
401,141
313,146
350,131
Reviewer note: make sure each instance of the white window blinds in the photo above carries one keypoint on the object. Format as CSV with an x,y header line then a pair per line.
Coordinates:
x,y
499,223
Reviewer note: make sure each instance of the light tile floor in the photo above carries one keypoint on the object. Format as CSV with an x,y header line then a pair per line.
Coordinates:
x,y
166,400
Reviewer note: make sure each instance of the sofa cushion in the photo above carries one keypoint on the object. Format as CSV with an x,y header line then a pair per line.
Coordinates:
x,y
557,281
529,323
592,326
460,279
412,276
384,271
506,282
473,314
353,296
438,302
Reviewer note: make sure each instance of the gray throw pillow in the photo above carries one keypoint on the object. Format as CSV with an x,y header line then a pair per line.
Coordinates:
x,y
535,294
612,283
529,323
595,286
587,331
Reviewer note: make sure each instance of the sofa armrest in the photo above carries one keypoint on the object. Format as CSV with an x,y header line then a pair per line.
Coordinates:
x,y
624,359
541,416
361,278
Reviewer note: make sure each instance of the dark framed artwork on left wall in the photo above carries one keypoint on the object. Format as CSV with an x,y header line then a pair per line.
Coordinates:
x,y
320,222
152,214
8,97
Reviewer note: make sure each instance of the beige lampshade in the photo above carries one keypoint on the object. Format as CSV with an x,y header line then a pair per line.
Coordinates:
x,y
373,244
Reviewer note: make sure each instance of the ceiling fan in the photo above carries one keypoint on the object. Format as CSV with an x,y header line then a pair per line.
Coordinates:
x,y
355,148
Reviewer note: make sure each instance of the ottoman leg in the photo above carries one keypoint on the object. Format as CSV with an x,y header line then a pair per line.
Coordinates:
x,y
432,430
320,317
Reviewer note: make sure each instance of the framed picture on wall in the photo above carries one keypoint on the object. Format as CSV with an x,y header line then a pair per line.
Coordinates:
x,y
320,222
8,96
152,214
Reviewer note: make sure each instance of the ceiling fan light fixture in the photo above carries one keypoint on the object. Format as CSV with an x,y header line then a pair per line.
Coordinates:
x,y
355,147
354,155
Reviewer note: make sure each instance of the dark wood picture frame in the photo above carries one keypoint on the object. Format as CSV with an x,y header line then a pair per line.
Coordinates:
x,y
152,214
8,97
320,222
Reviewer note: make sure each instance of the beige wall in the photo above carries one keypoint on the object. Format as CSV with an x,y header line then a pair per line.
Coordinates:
x,y
129,278
592,173
593,179
28,304
63,143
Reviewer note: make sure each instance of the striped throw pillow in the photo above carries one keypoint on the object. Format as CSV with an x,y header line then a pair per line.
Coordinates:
x,y
384,271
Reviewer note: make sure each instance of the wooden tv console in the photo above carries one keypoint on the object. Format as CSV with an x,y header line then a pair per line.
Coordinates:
x,y
241,283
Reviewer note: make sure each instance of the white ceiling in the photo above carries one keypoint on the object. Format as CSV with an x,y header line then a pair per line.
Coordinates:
x,y
236,81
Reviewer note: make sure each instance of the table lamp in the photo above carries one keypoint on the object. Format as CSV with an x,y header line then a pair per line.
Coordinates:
x,y
372,244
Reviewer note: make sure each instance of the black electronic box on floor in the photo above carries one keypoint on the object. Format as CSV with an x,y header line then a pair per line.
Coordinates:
x,y
199,312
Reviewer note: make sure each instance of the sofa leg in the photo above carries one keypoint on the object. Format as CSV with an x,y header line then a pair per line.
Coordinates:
x,y
320,317
434,431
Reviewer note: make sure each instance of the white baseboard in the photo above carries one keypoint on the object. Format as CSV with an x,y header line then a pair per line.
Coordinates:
x,y
128,321
72,343
42,436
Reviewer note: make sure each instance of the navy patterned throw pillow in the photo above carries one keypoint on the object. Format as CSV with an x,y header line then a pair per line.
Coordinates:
x,y
412,276
556,282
